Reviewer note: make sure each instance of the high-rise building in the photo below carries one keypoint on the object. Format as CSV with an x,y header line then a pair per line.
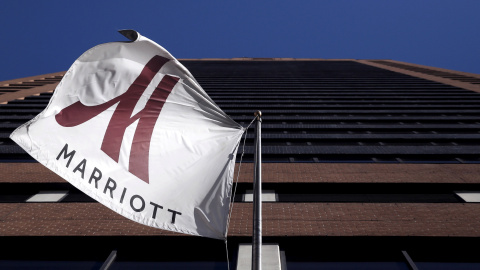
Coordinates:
x,y
368,164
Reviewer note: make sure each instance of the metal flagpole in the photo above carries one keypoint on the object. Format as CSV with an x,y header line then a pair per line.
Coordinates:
x,y
257,197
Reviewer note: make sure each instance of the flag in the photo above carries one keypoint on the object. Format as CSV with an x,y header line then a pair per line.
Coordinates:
x,y
130,126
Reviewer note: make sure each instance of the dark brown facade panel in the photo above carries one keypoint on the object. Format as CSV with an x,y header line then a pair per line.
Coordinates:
x,y
343,219
73,219
363,173
399,67
454,75
32,78
279,219
298,173
28,173
32,86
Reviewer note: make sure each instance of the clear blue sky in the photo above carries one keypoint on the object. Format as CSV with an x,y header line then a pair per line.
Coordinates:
x,y
41,37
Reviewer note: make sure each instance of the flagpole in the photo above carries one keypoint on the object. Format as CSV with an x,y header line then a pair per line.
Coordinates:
x,y
257,197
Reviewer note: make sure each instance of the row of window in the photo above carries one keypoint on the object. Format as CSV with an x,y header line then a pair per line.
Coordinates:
x,y
271,196
272,258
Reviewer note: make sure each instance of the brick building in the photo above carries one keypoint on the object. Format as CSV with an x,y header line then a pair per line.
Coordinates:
x,y
367,163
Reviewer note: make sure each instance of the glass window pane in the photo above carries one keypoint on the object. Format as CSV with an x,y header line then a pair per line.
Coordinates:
x,y
49,265
119,265
346,265
447,266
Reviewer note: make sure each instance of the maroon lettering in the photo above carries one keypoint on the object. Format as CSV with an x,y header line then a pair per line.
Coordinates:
x,y
77,113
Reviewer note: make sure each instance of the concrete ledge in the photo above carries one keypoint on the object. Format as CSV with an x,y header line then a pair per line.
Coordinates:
x,y
270,257
48,196
267,196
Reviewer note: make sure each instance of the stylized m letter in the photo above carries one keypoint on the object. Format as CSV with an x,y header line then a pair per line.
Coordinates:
x,y
77,113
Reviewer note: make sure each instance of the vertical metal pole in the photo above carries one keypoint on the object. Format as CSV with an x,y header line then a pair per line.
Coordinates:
x,y
257,197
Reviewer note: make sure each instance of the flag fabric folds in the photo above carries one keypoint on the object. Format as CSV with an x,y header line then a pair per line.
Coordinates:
x,y
131,127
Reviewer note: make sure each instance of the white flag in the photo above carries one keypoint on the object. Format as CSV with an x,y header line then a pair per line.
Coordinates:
x,y
130,126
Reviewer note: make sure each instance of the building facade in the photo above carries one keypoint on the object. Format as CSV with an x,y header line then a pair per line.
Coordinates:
x,y
367,163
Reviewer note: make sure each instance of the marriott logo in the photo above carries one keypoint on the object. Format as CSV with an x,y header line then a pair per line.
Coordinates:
x,y
78,113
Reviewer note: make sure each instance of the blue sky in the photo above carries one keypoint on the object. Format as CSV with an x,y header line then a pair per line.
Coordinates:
x,y
41,37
